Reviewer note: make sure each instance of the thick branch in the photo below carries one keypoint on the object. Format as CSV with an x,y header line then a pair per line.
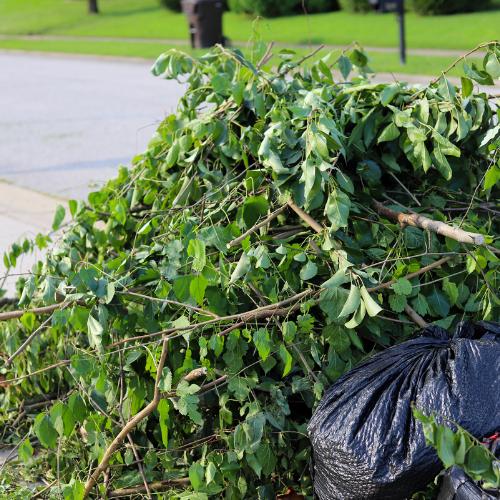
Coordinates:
x,y
422,222
305,217
416,317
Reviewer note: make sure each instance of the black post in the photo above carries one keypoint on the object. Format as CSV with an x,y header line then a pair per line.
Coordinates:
x,y
402,45
93,7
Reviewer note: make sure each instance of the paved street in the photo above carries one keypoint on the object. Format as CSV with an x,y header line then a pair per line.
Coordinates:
x,y
67,121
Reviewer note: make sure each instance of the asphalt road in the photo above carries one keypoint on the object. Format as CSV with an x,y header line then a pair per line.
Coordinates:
x,y
67,121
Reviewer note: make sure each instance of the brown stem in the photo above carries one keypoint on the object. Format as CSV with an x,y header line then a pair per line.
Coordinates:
x,y
162,485
460,58
238,240
415,317
411,275
264,57
38,310
33,335
208,313
428,224
305,217
38,493
343,52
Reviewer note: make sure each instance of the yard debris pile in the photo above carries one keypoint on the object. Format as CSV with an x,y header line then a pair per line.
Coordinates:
x,y
281,227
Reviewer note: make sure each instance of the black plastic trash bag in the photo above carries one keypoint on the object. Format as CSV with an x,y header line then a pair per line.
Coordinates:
x,y
457,485
366,443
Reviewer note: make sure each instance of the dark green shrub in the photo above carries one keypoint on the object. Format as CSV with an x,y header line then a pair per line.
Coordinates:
x,y
174,5
355,5
268,8
442,7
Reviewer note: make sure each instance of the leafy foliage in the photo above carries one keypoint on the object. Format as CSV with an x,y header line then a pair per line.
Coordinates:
x,y
275,313
459,447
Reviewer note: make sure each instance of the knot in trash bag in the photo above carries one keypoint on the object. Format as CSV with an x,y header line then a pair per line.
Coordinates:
x,y
457,485
366,443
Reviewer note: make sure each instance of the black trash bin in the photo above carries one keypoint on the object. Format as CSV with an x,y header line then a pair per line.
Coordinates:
x,y
205,21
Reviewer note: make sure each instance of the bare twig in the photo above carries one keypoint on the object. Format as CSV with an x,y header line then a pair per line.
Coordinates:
x,y
343,52
422,222
38,310
238,240
460,58
33,335
38,493
265,57
405,188
203,311
162,485
411,275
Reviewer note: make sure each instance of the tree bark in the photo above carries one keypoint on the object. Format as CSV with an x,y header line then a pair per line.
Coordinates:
x,y
93,7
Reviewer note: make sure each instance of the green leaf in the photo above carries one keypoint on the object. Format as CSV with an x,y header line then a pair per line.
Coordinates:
x,y
241,268
452,291
196,473
58,217
398,302
345,66
447,448
332,301
337,209
357,317
390,133
95,332
165,383
197,288
441,163
493,65
440,303
492,177
372,308
62,418
25,451
196,249
262,342
446,89
240,388
267,459
387,95
490,136
182,287
164,409
210,472
402,287
467,86
98,400
336,336
78,407
28,320
420,305
477,460
287,359
45,431
352,302
308,271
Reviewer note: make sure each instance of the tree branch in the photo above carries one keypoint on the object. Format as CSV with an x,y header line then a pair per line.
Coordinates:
x,y
411,275
162,485
422,222
257,226
305,217
416,317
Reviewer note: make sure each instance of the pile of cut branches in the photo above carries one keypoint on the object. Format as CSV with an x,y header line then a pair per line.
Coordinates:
x,y
281,227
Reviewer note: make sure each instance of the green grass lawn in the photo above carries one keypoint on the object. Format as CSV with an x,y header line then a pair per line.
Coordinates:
x,y
383,62
145,19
